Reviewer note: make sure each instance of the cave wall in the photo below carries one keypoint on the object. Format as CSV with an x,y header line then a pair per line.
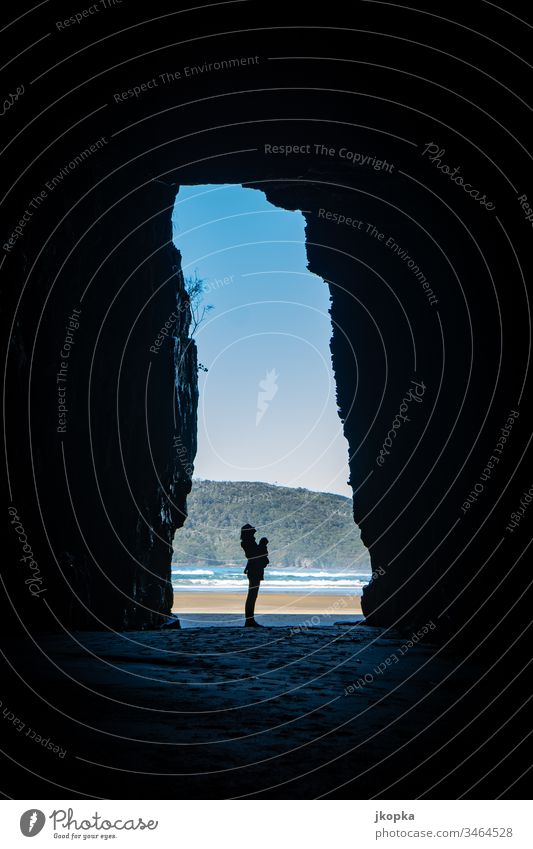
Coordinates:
x,y
101,489
433,558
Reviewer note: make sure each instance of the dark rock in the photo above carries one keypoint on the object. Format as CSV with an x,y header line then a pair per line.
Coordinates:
x,y
171,623
101,502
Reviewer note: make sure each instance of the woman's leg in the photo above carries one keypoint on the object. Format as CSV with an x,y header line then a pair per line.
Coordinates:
x,y
251,598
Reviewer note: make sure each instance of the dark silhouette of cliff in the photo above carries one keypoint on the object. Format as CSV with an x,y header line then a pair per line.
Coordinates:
x,y
361,96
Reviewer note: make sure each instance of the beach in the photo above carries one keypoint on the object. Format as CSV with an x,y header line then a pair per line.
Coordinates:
x,y
268,603
234,712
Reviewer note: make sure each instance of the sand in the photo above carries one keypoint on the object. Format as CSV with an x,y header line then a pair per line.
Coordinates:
x,y
267,603
209,713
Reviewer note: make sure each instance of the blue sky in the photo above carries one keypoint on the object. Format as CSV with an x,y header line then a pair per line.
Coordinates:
x,y
267,407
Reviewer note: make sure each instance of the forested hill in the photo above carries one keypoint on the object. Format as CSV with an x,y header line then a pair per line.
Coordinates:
x,y
304,528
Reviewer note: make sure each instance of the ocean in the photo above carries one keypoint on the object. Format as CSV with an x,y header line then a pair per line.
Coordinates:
x,y
295,580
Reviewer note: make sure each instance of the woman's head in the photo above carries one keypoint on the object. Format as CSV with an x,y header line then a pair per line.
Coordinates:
x,y
247,532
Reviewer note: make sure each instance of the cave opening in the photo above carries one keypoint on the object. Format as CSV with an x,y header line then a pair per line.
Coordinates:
x,y
271,449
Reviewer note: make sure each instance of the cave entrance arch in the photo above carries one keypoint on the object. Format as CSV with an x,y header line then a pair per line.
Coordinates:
x,y
270,441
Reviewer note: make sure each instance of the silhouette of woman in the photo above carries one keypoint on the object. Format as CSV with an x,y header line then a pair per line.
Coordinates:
x,y
257,559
